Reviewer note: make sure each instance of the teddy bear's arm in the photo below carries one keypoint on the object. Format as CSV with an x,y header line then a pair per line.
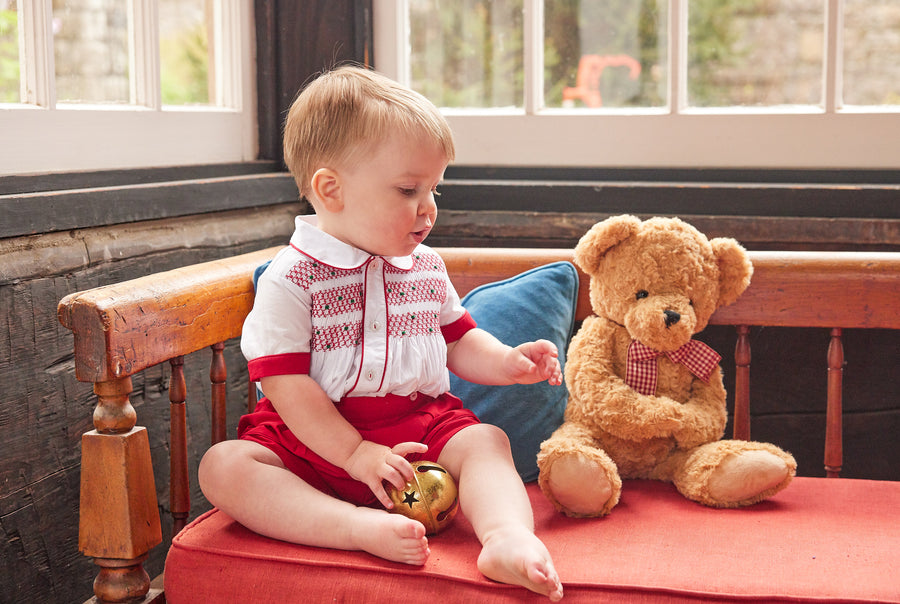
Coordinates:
x,y
704,412
598,396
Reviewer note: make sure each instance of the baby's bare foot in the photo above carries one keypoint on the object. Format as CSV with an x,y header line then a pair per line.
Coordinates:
x,y
516,556
392,537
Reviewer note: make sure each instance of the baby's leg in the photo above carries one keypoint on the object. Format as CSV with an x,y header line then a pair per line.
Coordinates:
x,y
248,482
494,500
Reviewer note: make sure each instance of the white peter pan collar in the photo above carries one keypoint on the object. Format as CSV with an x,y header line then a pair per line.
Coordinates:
x,y
322,247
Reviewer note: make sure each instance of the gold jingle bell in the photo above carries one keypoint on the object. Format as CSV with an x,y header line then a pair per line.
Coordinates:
x,y
431,497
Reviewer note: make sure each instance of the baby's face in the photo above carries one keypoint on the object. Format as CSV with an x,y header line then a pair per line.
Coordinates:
x,y
388,197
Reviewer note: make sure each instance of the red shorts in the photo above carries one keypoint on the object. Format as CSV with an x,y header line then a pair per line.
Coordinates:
x,y
387,420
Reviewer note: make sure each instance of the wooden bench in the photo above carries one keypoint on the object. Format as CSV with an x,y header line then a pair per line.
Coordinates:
x,y
124,328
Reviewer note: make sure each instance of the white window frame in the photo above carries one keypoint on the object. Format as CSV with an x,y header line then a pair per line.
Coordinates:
x,y
677,136
42,135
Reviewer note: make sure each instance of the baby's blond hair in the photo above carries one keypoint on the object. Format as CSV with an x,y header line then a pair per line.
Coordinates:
x,y
338,116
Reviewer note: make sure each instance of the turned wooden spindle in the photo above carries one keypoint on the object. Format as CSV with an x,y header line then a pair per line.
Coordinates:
x,y
179,484
118,519
742,384
834,448
114,413
218,373
121,580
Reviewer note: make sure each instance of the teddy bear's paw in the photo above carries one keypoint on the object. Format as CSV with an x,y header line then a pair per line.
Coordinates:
x,y
580,486
742,478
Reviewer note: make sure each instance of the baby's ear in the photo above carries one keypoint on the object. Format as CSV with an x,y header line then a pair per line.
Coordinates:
x,y
735,269
325,187
602,236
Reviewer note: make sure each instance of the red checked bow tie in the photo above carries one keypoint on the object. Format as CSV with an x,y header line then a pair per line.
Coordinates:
x,y
640,369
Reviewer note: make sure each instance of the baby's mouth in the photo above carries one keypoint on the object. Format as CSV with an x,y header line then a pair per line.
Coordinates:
x,y
421,234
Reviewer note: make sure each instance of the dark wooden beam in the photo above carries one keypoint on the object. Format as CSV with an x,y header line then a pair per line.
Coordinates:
x,y
297,40
34,213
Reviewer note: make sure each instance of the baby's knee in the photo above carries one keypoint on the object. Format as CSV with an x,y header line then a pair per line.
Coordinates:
x,y
487,436
214,465
223,463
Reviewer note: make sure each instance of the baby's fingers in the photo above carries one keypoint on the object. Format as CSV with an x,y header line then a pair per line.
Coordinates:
x,y
397,458
381,495
540,349
404,449
551,371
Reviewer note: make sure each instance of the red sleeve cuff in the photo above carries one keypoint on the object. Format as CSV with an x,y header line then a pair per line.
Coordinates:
x,y
454,331
292,363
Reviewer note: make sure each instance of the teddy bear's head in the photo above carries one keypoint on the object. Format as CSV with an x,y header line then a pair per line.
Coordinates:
x,y
661,278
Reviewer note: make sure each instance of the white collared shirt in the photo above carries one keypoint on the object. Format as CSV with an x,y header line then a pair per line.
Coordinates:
x,y
359,325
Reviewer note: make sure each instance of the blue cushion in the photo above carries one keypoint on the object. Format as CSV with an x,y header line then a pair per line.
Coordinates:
x,y
539,303
259,271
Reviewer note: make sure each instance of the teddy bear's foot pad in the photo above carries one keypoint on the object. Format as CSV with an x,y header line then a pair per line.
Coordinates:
x,y
580,485
746,475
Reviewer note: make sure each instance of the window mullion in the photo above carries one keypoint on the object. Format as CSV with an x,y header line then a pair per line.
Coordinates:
x,y
143,45
534,56
38,77
678,43
226,60
832,80
391,19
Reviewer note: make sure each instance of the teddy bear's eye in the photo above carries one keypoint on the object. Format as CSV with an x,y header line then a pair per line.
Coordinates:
x,y
642,293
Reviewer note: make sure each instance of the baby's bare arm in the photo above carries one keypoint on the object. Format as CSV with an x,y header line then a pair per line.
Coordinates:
x,y
481,358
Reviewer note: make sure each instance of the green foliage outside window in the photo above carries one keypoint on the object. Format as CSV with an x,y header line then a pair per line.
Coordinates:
x,y
469,53
9,57
184,72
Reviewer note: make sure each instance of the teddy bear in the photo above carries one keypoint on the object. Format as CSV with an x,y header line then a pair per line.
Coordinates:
x,y
646,400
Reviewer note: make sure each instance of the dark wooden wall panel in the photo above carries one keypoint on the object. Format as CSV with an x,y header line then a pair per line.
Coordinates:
x,y
295,41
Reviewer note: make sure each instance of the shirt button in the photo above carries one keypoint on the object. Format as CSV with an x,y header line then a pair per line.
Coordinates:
x,y
375,326
370,375
413,396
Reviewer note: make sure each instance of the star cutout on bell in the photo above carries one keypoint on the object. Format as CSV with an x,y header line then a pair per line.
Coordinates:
x,y
410,498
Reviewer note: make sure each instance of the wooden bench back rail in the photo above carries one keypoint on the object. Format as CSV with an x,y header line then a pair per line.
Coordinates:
x,y
124,328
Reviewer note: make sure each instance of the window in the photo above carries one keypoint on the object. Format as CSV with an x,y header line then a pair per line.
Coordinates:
x,y
637,83
104,84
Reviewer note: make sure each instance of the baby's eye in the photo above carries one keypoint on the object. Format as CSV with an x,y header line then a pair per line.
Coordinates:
x,y
642,293
409,192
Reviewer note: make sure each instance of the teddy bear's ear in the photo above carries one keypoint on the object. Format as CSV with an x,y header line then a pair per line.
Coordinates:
x,y
602,236
735,269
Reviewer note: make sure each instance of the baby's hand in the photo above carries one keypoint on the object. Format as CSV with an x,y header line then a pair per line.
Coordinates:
x,y
372,464
534,362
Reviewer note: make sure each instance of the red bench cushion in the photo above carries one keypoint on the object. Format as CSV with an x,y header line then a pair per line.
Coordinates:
x,y
821,540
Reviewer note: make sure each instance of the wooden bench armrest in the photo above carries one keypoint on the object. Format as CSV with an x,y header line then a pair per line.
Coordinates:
x,y
124,328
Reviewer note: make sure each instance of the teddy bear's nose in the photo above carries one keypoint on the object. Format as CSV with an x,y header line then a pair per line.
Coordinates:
x,y
672,317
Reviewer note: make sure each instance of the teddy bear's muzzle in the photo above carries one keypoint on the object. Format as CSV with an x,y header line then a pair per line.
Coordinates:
x,y
665,323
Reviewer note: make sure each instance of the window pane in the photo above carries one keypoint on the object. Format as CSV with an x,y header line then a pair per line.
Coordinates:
x,y
184,48
90,48
755,52
871,52
467,53
9,52
605,53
